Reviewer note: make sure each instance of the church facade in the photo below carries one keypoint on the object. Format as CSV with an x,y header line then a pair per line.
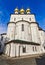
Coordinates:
x,y
25,37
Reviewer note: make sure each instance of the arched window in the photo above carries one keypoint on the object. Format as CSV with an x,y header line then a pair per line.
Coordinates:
x,y
22,27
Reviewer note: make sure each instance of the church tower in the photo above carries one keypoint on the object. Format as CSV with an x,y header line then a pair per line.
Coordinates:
x,y
23,26
23,34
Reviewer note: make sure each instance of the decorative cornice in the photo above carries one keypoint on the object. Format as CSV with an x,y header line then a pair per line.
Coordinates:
x,y
10,22
28,22
21,41
22,21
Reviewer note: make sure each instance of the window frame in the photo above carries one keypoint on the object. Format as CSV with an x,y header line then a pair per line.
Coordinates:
x,y
30,19
24,49
22,27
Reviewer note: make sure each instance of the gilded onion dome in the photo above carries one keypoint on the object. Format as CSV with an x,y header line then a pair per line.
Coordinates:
x,y
22,11
28,10
16,10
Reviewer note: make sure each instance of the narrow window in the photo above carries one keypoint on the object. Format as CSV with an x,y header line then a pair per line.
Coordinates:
x,y
29,29
30,19
22,18
33,48
22,27
0,45
24,49
44,47
14,19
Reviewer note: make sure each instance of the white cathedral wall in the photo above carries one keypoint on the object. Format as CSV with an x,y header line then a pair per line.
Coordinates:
x,y
18,33
35,33
29,50
15,18
17,49
7,49
23,35
11,31
12,49
42,38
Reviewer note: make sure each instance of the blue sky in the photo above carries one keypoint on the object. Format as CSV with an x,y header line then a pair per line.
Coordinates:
x,y
7,7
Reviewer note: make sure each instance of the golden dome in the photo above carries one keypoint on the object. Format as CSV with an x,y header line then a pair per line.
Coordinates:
x,y
22,11
28,10
16,10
